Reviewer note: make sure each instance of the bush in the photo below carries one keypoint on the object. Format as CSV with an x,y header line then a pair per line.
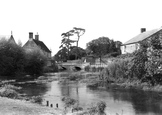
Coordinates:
x,y
101,107
36,99
116,71
93,69
9,91
87,68
137,64
68,101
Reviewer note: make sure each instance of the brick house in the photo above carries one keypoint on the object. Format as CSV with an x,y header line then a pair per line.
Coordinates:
x,y
33,44
133,44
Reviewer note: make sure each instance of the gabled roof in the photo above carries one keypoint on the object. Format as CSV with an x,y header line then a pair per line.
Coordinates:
x,y
42,45
142,36
10,39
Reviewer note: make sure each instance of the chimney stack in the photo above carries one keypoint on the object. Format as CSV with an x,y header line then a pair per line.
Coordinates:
x,y
143,30
30,35
37,37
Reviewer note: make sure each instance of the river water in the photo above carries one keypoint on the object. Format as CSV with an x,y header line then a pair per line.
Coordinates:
x,y
121,101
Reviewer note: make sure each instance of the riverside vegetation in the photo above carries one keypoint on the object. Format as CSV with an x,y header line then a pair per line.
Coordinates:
x,y
16,62
141,69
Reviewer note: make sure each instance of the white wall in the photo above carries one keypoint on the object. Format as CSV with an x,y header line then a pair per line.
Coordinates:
x,y
130,48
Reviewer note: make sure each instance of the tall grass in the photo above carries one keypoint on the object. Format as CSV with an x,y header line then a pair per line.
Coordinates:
x,y
116,71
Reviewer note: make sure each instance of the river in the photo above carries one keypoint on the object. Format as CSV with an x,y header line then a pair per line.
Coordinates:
x,y
121,101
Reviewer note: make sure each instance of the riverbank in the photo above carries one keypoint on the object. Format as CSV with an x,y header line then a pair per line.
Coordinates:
x,y
21,107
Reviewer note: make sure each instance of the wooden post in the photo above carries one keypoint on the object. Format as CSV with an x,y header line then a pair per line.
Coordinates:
x,y
47,103
51,105
57,105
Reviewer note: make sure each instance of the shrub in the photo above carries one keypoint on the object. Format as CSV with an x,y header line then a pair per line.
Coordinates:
x,y
9,91
36,99
68,101
93,69
101,107
87,68
115,71
137,64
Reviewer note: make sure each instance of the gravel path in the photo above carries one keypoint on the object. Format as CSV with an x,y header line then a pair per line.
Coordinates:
x,y
18,107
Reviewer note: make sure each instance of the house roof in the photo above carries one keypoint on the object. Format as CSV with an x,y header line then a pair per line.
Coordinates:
x,y
42,45
142,36
10,38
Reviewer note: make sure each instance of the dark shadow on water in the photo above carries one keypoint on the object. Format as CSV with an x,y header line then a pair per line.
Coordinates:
x,y
34,89
143,102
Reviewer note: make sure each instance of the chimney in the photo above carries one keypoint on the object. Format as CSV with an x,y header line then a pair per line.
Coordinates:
x,y
37,37
143,30
30,35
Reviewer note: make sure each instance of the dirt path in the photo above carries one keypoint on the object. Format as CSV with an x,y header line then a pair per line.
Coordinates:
x,y
18,107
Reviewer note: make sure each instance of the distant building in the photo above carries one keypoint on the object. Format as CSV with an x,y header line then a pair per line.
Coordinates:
x,y
133,44
33,44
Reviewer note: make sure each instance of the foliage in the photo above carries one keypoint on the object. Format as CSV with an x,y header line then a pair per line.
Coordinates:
x,y
9,91
147,62
12,59
68,101
137,65
76,53
15,62
97,109
62,55
79,32
101,107
116,71
66,42
35,62
52,68
154,64
103,46
36,99
87,68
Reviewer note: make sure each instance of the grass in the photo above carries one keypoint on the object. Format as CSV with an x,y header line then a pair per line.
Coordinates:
x,y
9,91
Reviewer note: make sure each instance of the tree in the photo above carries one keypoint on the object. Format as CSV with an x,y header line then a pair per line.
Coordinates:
x,y
101,46
66,42
79,32
62,55
74,50
12,58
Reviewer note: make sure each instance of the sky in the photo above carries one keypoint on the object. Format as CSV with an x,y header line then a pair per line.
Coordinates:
x,y
119,20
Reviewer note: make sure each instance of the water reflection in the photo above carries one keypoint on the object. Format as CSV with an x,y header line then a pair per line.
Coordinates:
x,y
142,102
128,101
34,89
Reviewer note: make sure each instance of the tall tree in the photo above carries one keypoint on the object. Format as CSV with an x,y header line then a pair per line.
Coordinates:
x,y
79,32
66,42
101,46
